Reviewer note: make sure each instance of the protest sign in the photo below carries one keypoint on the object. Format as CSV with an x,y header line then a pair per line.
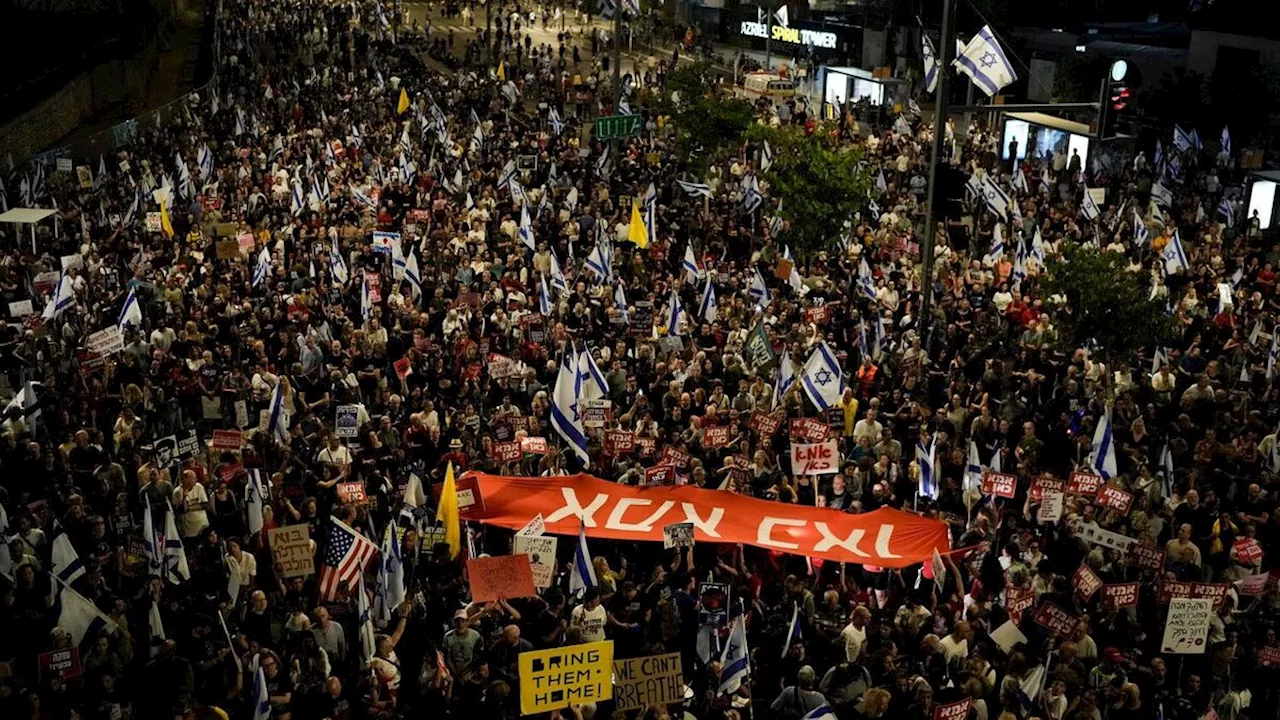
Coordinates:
x,y
502,367
645,446
541,552
999,484
403,368
1254,585
1170,590
291,550
1112,497
1145,556
656,680
808,430
346,421
1018,600
1095,535
1246,551
227,439
1007,636
63,664
595,413
227,249
818,315
106,341
1269,657
210,407
1121,595
672,456
815,458
1056,620
505,452
535,527
533,445
245,241
765,424
1082,483
758,351
677,535
153,222
1187,627
560,677
242,413
171,450
660,475
1045,484
1086,582
619,442
715,436
352,493
85,177
22,308
958,710
45,281
500,578
1051,507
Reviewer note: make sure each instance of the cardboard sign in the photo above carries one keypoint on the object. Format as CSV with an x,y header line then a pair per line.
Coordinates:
x,y
1171,590
656,680
1081,483
619,442
1086,582
677,535
765,425
1056,620
505,452
958,710
541,552
817,315
999,484
815,458
595,413
783,269
808,430
500,578
64,664
564,676
1120,596
1187,628
1018,600
1254,585
1269,657
291,550
227,249
227,439
672,456
1145,556
352,493
1110,496
107,341
660,475
1045,484
1051,507
715,436
535,527
533,445
21,309
1246,551
346,421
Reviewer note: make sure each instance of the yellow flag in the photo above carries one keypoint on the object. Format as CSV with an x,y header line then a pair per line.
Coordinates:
x,y
447,513
502,71
404,102
637,232
166,227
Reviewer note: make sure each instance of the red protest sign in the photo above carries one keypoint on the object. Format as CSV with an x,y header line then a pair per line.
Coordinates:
x,y
352,493
227,439
1246,551
403,369
1121,595
646,446
1044,484
1056,620
672,456
808,429
1255,585
1018,600
228,472
500,578
1146,557
505,452
765,425
619,442
958,710
533,445
1082,483
715,436
817,315
1086,582
1169,589
1269,657
660,475
1000,484
1110,496
65,664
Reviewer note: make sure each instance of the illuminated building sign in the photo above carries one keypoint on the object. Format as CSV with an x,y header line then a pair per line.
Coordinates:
x,y
795,36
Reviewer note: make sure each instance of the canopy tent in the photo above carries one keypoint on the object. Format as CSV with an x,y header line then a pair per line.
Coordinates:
x,y
27,216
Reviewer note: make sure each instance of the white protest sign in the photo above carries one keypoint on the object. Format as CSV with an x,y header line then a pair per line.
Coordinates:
x,y
106,341
73,260
1051,506
542,557
242,414
22,308
1007,636
536,527
815,458
677,535
1186,629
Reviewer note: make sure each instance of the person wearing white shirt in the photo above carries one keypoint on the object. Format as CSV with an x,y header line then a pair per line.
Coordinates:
x,y
335,454
854,635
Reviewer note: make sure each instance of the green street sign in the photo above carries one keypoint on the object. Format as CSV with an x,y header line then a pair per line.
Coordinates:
x,y
617,126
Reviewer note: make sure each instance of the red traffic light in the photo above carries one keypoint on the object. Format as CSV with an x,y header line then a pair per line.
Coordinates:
x,y
1120,96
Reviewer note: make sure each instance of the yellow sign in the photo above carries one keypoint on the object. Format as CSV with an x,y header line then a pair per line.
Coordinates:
x,y
560,677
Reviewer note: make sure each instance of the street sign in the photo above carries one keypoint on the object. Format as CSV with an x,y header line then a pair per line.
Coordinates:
x,y
617,126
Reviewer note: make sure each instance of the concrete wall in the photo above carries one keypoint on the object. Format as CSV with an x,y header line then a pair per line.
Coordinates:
x,y
1202,55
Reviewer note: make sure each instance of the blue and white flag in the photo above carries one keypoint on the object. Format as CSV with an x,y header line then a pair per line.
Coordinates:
x,y
694,189
881,184
984,61
930,64
66,562
794,279
82,620
205,160
1088,206
973,469
599,263
364,622
151,541
759,290
707,307
649,206
690,264
735,662
1161,194
675,315
995,196
1196,142
1166,468
1102,457
785,379
592,384
1140,233
997,246
1174,257
263,267
544,296
553,116
337,266
1029,688
63,299
1020,180
1181,140
582,574
255,494
261,696
766,157
131,313
822,378
526,227
1226,212
1225,140
391,588
822,712
866,281
278,416
175,568
926,459
565,415
794,634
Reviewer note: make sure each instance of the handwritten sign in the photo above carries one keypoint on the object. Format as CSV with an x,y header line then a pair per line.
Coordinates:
x,y
808,429
1121,595
1187,627
815,458
1081,483
1051,507
291,550
352,493
765,424
1086,582
677,535
106,341
958,710
21,309
1254,585
1056,620
1110,496
500,578
619,442
656,680
541,553
660,475
564,676
505,452
715,436
533,445
227,439
999,484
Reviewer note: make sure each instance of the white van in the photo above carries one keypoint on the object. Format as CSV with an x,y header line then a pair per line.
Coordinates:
x,y
756,85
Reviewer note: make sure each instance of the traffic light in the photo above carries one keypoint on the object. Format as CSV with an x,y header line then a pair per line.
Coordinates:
x,y
1120,95
1117,97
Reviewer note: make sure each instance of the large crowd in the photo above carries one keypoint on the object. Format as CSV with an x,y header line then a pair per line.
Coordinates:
x,y
352,240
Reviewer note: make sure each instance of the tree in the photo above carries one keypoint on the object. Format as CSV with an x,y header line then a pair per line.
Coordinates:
x,y
1104,303
820,182
709,123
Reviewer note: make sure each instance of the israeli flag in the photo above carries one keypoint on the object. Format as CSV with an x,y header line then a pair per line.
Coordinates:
x,y
82,620
707,308
297,202
337,267
414,276
766,157
175,569
1161,194
598,265
735,665
544,297
1103,456
565,415
1174,257
973,469
925,458
582,574
866,281
184,178
131,313
794,280
63,298
558,280
785,379
690,264
881,184
1088,206
794,634
675,315
997,199
1274,352
67,564
1195,140
1140,233
205,160
391,590
695,189
1225,140
1020,180
364,621
620,301
553,116
263,268
363,199
1226,212
759,291
255,499
1181,140
278,417
930,64
150,541
603,161
822,378
591,382
1166,467
985,63
822,712
261,699
526,227
997,246
1029,688
277,149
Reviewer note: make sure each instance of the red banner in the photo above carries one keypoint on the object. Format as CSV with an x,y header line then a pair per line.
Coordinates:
x,y
884,537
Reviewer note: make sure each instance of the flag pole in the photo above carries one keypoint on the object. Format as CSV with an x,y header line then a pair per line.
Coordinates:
x,y
946,50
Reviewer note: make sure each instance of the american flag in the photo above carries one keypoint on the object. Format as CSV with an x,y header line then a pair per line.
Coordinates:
x,y
345,557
